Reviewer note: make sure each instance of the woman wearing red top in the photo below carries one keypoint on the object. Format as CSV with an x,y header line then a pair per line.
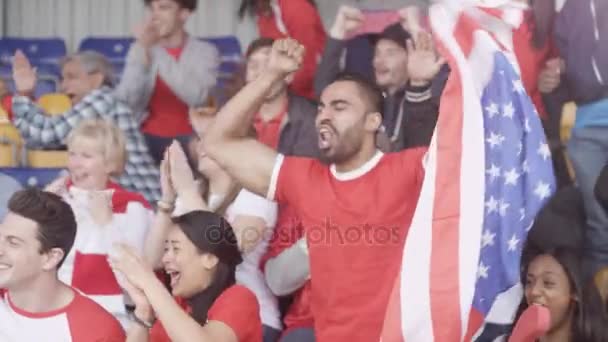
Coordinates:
x,y
298,19
201,255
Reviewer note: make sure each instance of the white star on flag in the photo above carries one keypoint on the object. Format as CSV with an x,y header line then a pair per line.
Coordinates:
x,y
487,239
494,172
542,190
492,205
508,110
513,243
492,109
544,151
482,272
522,214
518,86
495,139
503,206
511,177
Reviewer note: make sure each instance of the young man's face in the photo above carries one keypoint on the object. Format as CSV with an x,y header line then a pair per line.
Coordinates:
x,y
390,65
21,260
168,16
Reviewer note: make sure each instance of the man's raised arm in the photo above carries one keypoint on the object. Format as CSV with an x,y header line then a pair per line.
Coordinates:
x,y
226,141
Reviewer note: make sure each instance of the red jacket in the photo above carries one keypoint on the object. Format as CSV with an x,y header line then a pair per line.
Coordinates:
x,y
300,20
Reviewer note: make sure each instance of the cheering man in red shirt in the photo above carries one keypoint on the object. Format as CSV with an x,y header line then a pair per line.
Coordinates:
x,y
356,211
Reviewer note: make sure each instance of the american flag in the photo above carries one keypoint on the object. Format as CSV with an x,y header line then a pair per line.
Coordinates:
x,y
488,172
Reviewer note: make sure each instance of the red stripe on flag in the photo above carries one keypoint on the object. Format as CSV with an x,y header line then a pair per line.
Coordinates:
x,y
391,331
446,230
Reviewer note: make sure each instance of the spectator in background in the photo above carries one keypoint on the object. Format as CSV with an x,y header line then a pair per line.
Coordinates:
x,y
105,213
404,73
537,55
253,219
554,279
35,238
585,72
284,122
87,81
167,71
298,19
9,186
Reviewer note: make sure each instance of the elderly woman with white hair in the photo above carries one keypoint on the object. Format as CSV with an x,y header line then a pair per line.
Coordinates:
x,y
86,79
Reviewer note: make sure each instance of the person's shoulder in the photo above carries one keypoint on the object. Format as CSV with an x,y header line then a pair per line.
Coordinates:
x,y
201,46
122,199
86,309
240,295
304,165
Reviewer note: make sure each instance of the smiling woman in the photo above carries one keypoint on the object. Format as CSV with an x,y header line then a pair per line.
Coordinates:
x,y
554,280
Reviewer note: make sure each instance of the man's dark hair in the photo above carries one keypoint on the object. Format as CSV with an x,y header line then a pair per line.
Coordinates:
x,y
186,4
257,44
371,93
55,218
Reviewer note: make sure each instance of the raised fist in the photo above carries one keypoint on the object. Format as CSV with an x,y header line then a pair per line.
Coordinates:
x,y
286,57
348,19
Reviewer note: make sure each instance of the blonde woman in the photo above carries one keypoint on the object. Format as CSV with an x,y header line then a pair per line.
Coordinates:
x,y
106,213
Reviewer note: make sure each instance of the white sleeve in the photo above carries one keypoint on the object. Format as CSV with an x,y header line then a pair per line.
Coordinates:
x,y
250,204
132,227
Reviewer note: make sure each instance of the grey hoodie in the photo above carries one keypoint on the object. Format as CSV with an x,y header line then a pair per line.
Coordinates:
x,y
581,32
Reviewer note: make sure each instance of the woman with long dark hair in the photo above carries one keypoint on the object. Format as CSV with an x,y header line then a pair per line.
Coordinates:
x,y
555,280
298,19
201,255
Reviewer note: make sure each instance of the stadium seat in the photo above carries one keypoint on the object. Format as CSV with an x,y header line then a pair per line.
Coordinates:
x,y
568,117
32,177
46,84
230,53
38,50
114,48
11,146
54,103
47,159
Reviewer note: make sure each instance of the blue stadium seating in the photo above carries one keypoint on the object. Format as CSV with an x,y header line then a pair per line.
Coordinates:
x,y
230,53
46,84
30,177
38,50
114,48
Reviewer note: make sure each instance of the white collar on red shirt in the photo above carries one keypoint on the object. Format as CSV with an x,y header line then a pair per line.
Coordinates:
x,y
356,173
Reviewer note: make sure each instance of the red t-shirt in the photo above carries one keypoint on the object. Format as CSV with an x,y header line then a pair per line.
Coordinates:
x,y
82,320
355,224
168,113
303,23
236,307
269,132
531,61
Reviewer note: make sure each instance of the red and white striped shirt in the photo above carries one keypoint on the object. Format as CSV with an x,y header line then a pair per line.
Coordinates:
x,y
86,267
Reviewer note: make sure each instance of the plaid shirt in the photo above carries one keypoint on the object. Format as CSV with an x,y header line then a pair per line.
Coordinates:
x,y
41,130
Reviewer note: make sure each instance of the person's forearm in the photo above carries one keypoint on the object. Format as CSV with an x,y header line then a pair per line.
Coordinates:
x,y
155,241
180,327
235,118
138,333
289,270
